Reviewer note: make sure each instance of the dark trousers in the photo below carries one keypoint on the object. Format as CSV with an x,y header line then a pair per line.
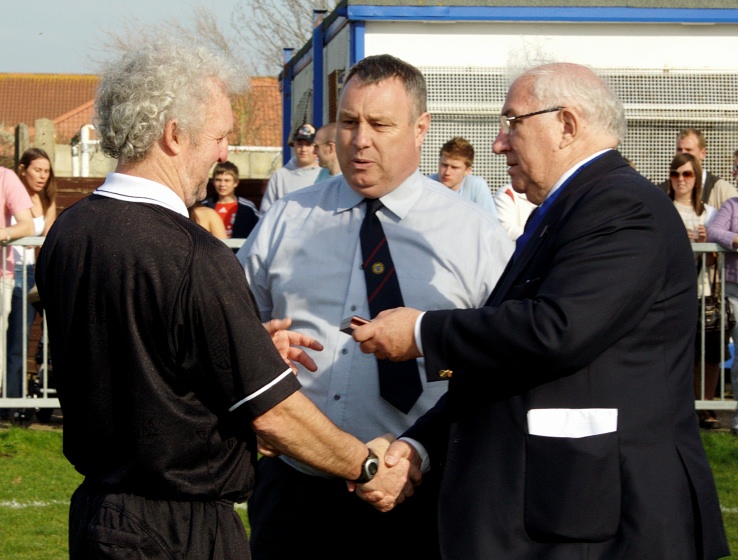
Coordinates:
x,y
294,515
126,526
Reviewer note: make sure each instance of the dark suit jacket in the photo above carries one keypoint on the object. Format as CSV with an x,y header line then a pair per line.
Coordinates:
x,y
598,311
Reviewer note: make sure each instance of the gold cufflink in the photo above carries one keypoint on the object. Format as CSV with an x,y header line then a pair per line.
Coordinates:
x,y
445,374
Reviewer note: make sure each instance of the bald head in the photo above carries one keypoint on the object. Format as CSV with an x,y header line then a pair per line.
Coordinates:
x,y
326,133
325,148
576,86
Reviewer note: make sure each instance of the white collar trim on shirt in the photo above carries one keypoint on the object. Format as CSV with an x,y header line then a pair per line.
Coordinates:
x,y
137,189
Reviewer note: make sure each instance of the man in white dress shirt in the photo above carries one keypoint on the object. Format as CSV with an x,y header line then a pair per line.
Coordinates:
x,y
304,261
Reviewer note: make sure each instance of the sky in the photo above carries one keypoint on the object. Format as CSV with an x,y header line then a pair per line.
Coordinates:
x,y
66,36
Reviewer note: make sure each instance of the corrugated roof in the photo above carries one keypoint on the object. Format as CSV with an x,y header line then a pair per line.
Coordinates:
x,y
68,100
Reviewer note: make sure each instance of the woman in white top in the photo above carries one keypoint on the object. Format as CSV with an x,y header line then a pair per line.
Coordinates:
x,y
37,175
685,189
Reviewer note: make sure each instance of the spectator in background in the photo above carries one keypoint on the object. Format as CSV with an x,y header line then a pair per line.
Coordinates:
x,y
455,162
209,219
735,165
16,204
37,175
513,209
724,230
685,189
239,214
715,191
325,151
301,171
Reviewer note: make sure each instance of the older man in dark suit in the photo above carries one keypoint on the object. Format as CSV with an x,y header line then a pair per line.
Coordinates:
x,y
568,429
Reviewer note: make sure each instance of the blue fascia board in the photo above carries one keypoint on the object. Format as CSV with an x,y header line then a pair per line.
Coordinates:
x,y
577,14
357,48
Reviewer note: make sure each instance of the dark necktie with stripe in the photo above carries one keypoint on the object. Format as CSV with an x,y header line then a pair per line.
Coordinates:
x,y
399,382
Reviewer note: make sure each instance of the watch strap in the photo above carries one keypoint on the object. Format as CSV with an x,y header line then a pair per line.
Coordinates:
x,y
368,468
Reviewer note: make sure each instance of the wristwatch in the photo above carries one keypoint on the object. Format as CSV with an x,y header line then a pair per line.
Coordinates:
x,y
368,468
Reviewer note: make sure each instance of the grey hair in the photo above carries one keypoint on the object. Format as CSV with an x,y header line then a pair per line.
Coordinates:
x,y
377,68
573,85
143,90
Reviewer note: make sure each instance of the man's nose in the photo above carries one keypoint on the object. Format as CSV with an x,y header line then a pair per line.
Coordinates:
x,y
501,144
361,136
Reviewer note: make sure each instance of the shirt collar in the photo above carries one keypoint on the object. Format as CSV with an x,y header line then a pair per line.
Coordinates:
x,y
137,189
398,201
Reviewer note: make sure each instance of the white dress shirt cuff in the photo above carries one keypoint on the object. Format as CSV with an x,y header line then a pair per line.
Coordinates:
x,y
425,464
418,341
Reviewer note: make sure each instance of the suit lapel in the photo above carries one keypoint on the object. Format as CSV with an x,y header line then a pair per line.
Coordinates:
x,y
514,272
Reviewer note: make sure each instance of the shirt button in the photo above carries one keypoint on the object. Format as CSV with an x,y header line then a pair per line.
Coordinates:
x,y
336,397
353,308
344,351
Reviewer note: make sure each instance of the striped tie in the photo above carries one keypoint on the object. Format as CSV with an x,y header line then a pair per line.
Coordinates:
x,y
399,382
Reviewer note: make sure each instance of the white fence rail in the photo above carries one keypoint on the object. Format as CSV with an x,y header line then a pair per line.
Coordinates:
x,y
40,394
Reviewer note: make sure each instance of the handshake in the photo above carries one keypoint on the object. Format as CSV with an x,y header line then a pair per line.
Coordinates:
x,y
399,462
397,476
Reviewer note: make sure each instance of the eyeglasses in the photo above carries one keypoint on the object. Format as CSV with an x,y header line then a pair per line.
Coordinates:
x,y
506,122
686,174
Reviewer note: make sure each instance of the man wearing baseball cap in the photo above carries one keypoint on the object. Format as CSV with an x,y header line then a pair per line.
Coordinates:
x,y
301,171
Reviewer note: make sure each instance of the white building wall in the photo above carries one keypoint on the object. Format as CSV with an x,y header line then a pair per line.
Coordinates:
x,y
467,64
603,45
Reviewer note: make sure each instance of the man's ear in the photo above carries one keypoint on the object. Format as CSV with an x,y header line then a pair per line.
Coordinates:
x,y
422,124
172,137
570,121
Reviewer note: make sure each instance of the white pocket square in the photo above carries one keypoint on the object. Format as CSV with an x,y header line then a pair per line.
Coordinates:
x,y
572,422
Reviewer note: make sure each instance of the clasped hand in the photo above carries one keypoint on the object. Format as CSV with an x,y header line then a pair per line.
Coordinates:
x,y
397,476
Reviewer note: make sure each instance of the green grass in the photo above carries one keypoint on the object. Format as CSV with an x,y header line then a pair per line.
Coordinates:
x,y
722,450
36,483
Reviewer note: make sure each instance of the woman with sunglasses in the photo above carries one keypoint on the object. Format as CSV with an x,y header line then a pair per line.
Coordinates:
x,y
685,189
